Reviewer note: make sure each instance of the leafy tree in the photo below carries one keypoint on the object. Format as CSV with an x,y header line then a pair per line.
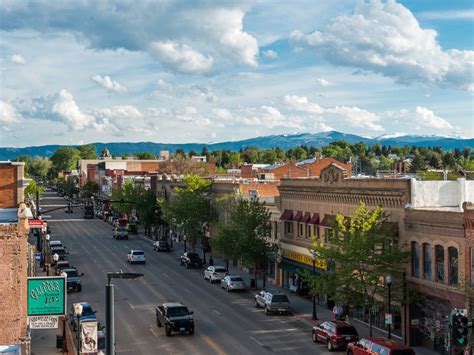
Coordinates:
x,y
89,189
87,151
71,186
27,159
435,160
192,153
65,159
449,160
32,188
145,156
360,253
147,208
126,198
180,153
40,167
190,208
418,163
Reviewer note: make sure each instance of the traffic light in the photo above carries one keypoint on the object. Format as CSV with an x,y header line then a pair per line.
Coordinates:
x,y
459,330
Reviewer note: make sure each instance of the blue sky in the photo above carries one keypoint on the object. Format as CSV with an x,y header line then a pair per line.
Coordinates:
x,y
74,72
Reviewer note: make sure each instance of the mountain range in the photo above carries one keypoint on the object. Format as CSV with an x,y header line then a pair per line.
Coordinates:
x,y
284,141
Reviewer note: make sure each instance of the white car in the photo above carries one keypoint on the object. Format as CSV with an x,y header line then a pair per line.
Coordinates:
x,y
136,256
215,273
233,283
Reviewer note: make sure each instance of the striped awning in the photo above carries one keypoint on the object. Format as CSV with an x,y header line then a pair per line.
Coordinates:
x,y
287,215
314,219
306,218
298,216
328,221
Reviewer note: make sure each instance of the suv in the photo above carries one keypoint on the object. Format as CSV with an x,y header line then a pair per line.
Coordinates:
x,y
120,233
336,334
161,245
73,279
367,346
175,317
272,302
136,256
190,260
215,273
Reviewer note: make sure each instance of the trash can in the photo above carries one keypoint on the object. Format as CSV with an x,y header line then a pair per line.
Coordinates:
x,y
252,283
59,341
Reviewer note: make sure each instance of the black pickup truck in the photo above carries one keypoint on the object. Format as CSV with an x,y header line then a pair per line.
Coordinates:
x,y
175,317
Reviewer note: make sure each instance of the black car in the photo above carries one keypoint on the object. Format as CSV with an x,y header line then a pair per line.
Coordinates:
x,y
161,245
73,279
191,260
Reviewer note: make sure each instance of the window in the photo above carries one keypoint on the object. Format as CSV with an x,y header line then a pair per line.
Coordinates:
x,y
439,263
289,227
308,231
453,265
427,261
415,259
300,229
328,233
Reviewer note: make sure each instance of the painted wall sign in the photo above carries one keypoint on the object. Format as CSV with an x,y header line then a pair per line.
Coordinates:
x,y
46,296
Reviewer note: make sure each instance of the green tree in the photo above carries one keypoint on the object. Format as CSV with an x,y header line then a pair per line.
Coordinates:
x,y
40,167
32,188
360,253
71,186
145,156
89,189
190,208
65,159
147,208
27,159
449,161
87,151
125,198
418,163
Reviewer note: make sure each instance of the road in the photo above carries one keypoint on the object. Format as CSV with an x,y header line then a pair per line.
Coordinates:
x,y
226,323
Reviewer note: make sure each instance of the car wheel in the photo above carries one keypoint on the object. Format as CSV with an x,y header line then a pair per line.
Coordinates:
x,y
330,346
266,311
168,331
79,288
315,337
158,323
256,304
191,331
187,266
227,289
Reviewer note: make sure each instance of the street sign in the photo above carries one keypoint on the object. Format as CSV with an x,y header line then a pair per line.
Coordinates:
x,y
46,296
388,319
44,322
36,223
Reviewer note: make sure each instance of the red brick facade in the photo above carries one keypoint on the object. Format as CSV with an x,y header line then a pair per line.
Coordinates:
x,y
11,176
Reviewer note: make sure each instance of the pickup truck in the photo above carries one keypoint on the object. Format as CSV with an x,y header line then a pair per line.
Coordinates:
x,y
191,260
175,317
272,302
73,279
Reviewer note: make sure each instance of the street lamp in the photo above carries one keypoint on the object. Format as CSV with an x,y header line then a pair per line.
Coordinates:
x,y
64,348
313,258
109,308
78,313
171,239
389,281
184,239
55,259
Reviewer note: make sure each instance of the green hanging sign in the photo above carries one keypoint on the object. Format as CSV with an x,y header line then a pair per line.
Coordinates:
x,y
46,296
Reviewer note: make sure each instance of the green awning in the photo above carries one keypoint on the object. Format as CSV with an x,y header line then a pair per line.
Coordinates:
x,y
296,268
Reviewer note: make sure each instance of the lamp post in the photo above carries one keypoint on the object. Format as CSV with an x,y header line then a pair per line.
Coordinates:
x,y
313,258
45,251
55,259
78,313
109,308
171,239
389,281
184,239
64,347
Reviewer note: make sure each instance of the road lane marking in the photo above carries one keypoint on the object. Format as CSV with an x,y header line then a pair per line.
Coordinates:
x,y
217,312
212,344
186,290
69,220
154,333
255,340
131,305
263,331
165,274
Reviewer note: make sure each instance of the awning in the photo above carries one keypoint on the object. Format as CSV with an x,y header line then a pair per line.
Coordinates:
x,y
306,218
295,267
329,221
287,215
298,216
314,219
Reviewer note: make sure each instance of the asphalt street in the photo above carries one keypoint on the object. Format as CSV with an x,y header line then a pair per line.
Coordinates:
x,y
226,323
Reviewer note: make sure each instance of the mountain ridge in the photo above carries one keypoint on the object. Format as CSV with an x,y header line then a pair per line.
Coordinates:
x,y
282,141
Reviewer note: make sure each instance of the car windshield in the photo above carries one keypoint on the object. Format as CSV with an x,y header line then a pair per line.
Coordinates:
x,y
72,273
220,269
280,298
121,229
86,311
59,252
193,256
138,253
346,331
162,243
236,278
177,311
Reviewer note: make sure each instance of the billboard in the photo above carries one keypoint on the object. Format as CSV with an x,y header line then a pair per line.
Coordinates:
x,y
47,296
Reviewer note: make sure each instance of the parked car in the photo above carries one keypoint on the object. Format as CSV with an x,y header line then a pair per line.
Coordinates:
x,y
191,260
272,302
233,283
136,256
366,346
87,314
175,317
73,279
55,243
63,264
215,273
335,334
161,245
120,233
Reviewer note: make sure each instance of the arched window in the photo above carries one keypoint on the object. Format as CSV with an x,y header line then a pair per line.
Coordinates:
x,y
439,263
427,261
453,265
415,259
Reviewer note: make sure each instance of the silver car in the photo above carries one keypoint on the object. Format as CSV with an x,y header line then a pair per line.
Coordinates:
x,y
233,283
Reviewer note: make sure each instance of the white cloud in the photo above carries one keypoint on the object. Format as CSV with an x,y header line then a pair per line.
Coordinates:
x,y
322,82
66,108
322,127
8,113
301,103
181,58
222,113
109,84
421,118
270,54
386,38
466,14
17,59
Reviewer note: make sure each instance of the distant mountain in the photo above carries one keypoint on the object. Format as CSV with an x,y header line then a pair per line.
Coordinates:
x,y
284,141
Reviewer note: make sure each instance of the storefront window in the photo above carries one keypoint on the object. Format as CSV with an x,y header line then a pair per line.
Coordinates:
x,y
439,266
427,261
300,229
308,231
378,317
453,266
289,227
415,259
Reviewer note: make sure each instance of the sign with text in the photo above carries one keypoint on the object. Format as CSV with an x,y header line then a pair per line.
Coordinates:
x,y
46,296
304,259
36,223
88,337
44,322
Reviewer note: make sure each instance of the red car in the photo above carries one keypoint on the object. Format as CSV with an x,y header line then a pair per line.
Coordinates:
x,y
380,346
336,334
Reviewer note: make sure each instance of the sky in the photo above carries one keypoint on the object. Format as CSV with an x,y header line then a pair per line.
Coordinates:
x,y
76,72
